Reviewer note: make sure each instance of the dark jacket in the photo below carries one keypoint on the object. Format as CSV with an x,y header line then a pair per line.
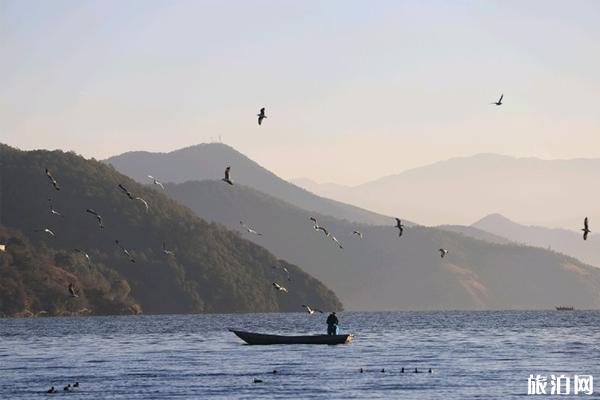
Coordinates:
x,y
332,320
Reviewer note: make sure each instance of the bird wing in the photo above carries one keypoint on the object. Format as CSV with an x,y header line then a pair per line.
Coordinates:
x,y
501,97
89,210
398,222
585,223
143,201
227,173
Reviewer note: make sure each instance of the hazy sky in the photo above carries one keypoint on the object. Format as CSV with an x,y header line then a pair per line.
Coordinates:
x,y
354,90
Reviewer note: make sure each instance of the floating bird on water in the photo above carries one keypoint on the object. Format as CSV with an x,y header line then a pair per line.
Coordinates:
x,y
357,233
279,287
76,384
86,255
46,230
228,176
143,201
249,229
67,388
156,182
125,251
261,115
52,180
443,252
499,102
167,252
98,217
127,192
52,210
258,381
399,226
585,229
51,390
310,310
72,290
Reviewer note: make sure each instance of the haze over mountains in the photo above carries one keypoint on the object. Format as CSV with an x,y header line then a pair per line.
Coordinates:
x,y
208,161
553,193
563,240
383,271
212,269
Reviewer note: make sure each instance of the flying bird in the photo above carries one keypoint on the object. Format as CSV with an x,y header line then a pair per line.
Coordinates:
x,y
73,290
167,252
585,229
317,227
249,229
46,230
52,210
399,226
337,242
357,233
52,180
86,255
127,192
310,310
143,201
125,251
228,176
499,102
279,287
156,182
261,116
443,252
98,217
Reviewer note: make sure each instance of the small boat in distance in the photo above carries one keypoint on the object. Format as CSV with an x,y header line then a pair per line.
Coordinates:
x,y
262,339
565,308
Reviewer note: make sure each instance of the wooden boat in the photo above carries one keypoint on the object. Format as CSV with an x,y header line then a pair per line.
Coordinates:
x,y
261,339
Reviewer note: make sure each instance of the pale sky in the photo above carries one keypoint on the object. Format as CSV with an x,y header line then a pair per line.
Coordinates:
x,y
354,90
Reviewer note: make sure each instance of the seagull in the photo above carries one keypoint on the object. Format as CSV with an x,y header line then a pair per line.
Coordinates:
x,y
127,192
98,217
279,287
499,102
48,231
335,240
249,229
261,116
360,235
143,201
73,290
310,310
167,252
52,210
227,176
124,251
86,255
443,252
585,229
52,180
399,226
156,182
321,228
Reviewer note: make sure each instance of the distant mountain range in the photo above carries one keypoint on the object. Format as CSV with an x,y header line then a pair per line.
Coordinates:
x,y
556,193
385,272
212,269
208,161
562,240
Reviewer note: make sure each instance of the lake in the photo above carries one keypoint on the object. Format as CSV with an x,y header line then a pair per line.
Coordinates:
x,y
477,354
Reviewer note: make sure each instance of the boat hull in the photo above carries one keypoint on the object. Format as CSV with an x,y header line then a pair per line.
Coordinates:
x,y
262,339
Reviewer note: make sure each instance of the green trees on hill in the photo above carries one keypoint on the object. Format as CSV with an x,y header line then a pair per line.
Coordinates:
x,y
213,269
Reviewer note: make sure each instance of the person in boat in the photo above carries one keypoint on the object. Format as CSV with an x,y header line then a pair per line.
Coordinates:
x,y
332,324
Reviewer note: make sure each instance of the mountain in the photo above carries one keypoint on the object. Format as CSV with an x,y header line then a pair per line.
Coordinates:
x,y
476,233
385,272
555,193
208,161
563,240
213,269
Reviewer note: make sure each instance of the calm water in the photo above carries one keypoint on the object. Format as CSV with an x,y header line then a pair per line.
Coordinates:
x,y
473,355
